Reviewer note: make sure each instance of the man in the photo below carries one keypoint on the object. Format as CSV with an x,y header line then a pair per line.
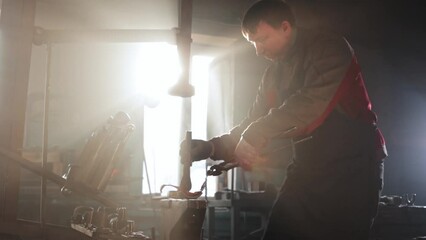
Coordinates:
x,y
313,89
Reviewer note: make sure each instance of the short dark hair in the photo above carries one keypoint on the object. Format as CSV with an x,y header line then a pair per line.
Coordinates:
x,y
273,12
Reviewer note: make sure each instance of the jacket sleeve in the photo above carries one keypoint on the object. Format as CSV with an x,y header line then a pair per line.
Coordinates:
x,y
225,145
326,64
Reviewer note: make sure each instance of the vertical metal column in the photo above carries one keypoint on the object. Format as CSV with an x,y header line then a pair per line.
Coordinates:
x,y
16,24
45,147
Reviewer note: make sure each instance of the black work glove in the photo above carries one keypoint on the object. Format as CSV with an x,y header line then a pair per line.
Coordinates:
x,y
199,149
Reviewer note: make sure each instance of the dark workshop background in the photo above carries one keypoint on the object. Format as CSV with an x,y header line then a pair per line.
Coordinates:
x,y
389,38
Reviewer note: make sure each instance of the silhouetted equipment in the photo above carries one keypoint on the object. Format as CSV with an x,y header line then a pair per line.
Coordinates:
x,y
182,89
101,154
183,190
183,218
183,211
93,169
399,218
238,202
90,174
185,183
105,223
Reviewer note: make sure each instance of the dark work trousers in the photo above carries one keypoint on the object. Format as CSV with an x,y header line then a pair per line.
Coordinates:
x,y
332,187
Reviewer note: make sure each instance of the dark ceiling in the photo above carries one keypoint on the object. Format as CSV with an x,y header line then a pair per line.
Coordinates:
x,y
376,24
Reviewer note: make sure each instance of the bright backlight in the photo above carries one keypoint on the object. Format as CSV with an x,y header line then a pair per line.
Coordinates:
x,y
157,69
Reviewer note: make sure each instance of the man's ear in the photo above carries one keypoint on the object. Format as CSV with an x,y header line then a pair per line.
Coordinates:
x,y
285,26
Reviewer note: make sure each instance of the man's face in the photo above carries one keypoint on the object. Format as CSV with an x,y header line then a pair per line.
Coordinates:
x,y
271,43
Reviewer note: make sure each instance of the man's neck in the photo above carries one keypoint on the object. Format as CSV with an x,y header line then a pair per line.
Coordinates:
x,y
290,50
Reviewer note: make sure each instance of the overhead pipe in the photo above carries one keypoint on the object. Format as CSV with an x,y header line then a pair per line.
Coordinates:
x,y
183,42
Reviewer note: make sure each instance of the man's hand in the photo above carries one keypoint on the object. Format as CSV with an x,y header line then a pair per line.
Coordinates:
x,y
199,149
247,156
